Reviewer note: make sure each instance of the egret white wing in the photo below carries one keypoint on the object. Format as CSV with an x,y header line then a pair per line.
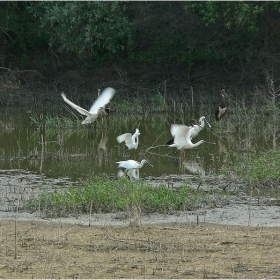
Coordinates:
x,y
196,130
179,130
131,163
74,106
103,99
128,164
125,137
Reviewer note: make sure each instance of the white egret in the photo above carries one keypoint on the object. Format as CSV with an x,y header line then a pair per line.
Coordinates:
x,y
131,141
131,164
193,123
221,110
98,107
183,137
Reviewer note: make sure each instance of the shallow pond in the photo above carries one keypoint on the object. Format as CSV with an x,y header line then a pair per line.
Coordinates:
x,y
83,150
46,152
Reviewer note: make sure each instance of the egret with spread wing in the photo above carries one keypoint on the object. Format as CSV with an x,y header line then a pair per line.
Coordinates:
x,y
98,107
193,124
131,141
183,137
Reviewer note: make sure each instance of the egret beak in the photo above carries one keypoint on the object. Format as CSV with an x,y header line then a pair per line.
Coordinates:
x,y
150,164
207,123
209,142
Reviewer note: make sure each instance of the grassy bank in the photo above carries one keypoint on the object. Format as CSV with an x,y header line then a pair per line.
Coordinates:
x,y
104,195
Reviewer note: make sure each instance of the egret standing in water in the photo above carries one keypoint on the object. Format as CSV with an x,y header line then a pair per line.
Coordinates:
x,y
221,110
98,107
131,141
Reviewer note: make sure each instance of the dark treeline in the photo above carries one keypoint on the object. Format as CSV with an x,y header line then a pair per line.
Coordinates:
x,y
80,46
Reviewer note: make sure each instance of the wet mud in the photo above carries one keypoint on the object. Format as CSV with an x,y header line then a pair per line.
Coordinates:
x,y
17,186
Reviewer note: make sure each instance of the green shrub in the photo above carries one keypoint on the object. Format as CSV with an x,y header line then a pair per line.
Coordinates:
x,y
103,195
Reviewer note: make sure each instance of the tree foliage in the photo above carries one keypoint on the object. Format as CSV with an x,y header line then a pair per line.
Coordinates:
x,y
240,32
19,29
85,28
232,14
225,36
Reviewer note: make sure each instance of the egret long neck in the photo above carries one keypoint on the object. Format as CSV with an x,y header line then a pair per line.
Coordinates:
x,y
202,123
198,143
142,163
135,138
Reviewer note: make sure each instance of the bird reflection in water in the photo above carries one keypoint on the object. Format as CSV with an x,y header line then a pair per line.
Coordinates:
x,y
194,167
101,150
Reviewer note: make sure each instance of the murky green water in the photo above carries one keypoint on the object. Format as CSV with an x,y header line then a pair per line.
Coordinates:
x,y
82,151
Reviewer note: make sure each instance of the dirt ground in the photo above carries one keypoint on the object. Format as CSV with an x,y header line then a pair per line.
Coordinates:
x,y
56,250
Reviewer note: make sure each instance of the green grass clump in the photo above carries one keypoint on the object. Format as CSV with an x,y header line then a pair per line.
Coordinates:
x,y
103,195
260,168
54,121
264,167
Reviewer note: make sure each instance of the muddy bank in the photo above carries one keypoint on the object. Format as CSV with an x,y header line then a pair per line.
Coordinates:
x,y
17,186
239,215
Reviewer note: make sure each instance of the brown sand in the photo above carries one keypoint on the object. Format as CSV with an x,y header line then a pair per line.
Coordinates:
x,y
54,250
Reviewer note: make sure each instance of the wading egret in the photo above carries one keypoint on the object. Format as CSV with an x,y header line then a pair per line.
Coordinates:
x,y
98,107
221,110
183,137
131,164
131,141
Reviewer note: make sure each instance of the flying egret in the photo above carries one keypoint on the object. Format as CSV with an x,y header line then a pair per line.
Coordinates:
x,y
131,141
131,164
221,110
98,107
183,137
193,123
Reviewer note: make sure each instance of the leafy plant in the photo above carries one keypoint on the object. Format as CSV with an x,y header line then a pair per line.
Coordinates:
x,y
232,14
159,100
264,168
257,168
85,28
54,121
101,194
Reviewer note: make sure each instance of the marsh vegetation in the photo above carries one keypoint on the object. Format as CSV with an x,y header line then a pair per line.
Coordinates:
x,y
58,145
168,61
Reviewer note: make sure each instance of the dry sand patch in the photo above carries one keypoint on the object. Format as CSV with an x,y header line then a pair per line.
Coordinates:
x,y
58,250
